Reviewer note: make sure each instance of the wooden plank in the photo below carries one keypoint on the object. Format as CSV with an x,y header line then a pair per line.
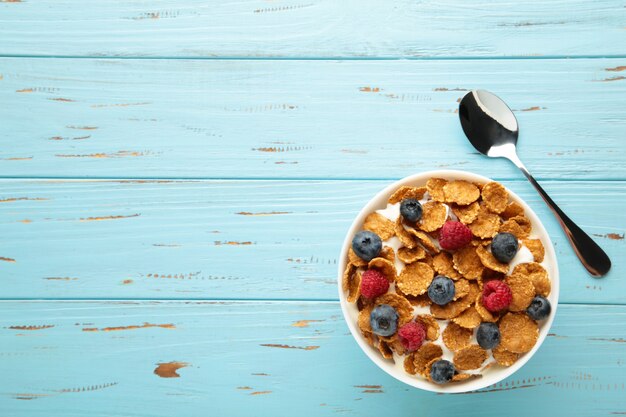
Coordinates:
x,y
317,28
262,358
236,239
304,119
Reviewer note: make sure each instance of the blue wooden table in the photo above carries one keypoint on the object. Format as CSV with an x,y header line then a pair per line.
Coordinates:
x,y
178,176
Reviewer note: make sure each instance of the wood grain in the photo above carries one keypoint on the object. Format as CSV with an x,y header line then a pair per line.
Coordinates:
x,y
237,239
312,28
300,119
229,357
240,138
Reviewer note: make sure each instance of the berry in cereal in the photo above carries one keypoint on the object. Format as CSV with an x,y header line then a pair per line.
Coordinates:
x,y
539,308
384,320
411,210
367,245
441,291
449,280
504,247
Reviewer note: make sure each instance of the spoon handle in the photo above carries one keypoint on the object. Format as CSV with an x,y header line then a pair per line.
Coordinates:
x,y
593,258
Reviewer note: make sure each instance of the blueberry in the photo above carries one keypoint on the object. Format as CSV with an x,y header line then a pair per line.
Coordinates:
x,y
384,320
442,371
411,209
539,308
441,290
488,335
504,247
367,245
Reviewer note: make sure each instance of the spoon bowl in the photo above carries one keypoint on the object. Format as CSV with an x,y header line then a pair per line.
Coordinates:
x,y
491,127
487,121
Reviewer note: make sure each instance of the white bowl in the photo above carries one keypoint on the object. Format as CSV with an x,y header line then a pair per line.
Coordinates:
x,y
490,376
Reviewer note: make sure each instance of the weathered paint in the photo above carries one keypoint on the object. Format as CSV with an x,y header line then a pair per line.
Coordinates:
x,y
275,345
304,323
612,236
313,29
307,122
172,246
216,354
103,218
32,327
269,213
168,369
101,155
148,122
131,327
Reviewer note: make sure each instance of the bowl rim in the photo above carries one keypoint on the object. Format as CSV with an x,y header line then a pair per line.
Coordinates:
x,y
375,203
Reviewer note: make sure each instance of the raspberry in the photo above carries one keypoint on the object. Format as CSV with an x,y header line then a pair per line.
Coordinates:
x,y
454,235
373,284
496,295
412,336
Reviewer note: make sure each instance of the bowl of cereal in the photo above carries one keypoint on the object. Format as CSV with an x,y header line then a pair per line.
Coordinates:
x,y
448,281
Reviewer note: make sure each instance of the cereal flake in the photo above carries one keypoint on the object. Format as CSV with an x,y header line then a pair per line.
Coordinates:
x,y
379,224
518,332
456,337
415,278
355,260
430,325
489,261
512,210
461,288
425,354
435,189
519,226
406,238
387,253
451,309
385,267
418,301
352,283
407,192
469,319
536,248
434,215
401,304
364,319
409,364
467,262
461,192
424,240
485,314
537,275
504,357
485,225
495,196
385,350
442,263
460,377
522,290
469,357
410,255
466,214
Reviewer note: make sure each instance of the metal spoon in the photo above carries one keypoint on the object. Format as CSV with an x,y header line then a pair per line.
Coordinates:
x,y
492,128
